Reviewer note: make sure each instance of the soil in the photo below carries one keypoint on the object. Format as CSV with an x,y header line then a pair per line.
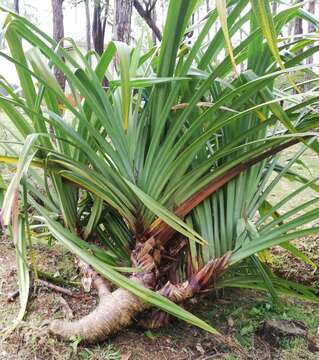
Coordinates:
x,y
229,312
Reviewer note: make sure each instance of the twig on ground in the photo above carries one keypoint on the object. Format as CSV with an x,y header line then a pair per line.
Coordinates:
x,y
12,296
58,288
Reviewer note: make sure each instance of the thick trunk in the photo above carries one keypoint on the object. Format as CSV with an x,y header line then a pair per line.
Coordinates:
x,y
122,20
88,25
58,34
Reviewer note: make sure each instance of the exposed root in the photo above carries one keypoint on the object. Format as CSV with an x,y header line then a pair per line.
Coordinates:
x,y
115,311
66,308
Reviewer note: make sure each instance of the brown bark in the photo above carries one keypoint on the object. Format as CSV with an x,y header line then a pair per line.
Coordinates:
x,y
58,34
146,14
122,20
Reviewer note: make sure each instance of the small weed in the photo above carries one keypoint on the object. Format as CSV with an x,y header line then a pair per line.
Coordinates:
x,y
108,352
297,342
231,357
75,343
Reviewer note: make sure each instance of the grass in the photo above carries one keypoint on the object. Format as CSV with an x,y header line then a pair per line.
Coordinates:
x,y
107,353
245,316
309,167
293,343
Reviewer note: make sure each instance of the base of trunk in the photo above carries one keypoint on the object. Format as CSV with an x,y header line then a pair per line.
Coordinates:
x,y
118,309
115,311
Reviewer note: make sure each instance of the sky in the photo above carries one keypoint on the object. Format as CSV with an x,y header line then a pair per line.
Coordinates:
x,y
74,25
74,17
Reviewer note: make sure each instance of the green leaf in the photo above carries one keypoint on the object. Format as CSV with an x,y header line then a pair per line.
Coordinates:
x,y
167,216
222,12
22,166
20,241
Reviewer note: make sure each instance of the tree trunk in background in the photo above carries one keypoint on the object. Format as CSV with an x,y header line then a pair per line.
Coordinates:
x,y
153,18
149,15
298,25
97,28
274,8
290,24
208,10
88,25
162,13
311,26
106,12
58,34
122,20
16,6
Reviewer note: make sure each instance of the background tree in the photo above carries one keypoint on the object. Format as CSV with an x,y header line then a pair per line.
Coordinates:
x,y
298,24
208,8
149,15
122,20
16,6
274,7
58,34
98,26
88,24
311,27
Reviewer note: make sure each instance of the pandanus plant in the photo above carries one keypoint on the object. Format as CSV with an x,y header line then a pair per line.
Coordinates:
x,y
155,167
